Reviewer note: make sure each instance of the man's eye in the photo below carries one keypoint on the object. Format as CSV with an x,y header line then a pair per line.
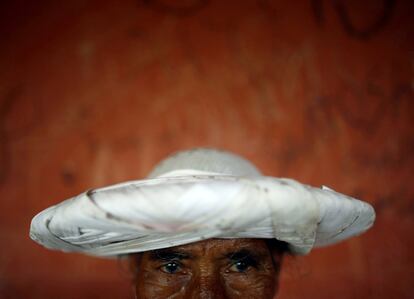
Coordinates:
x,y
240,266
171,267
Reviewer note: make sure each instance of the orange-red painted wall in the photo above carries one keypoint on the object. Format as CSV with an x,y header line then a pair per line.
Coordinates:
x,y
96,92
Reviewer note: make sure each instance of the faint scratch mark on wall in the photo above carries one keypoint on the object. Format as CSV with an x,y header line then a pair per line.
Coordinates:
x,y
346,21
367,120
365,104
367,107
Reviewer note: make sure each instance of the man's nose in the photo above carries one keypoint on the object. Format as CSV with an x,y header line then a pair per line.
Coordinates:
x,y
208,284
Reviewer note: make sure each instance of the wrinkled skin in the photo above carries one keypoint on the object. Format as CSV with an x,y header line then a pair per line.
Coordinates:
x,y
216,268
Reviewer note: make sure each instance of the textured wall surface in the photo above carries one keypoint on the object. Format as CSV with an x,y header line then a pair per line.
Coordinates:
x,y
96,92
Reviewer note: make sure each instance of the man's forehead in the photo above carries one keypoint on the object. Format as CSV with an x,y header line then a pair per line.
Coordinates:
x,y
220,247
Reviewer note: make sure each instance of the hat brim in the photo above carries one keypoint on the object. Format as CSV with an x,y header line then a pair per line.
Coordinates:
x,y
169,211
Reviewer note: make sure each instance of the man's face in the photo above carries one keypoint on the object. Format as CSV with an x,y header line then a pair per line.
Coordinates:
x,y
216,268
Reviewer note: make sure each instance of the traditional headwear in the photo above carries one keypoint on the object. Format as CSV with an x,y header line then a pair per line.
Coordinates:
x,y
196,195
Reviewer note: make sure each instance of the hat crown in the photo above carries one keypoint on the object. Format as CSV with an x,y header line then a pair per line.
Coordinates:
x,y
205,159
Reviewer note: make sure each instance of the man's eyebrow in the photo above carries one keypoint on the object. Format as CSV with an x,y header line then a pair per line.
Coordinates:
x,y
169,255
242,255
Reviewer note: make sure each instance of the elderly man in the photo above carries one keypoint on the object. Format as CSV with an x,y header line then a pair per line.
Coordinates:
x,y
204,224
215,268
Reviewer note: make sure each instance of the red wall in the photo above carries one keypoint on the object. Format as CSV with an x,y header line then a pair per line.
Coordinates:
x,y
96,92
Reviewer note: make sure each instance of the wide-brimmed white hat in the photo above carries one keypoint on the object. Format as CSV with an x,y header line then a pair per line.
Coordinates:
x,y
196,195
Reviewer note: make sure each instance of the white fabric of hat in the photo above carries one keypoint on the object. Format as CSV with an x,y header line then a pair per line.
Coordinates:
x,y
196,195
